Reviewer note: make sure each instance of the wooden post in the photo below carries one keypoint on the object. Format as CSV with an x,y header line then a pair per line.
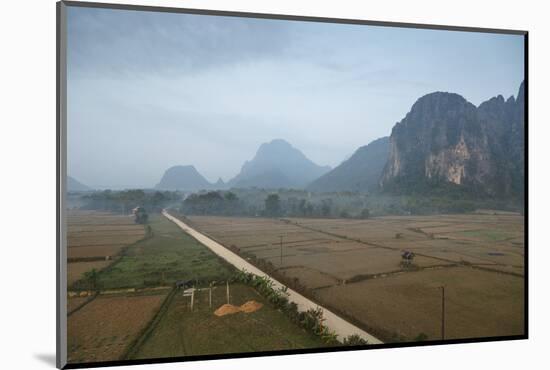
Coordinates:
x,y
227,285
192,298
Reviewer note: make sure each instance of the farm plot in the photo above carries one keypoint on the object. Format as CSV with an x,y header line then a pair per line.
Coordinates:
x,y
315,279
95,239
99,233
168,255
182,332
82,217
98,239
355,265
76,270
75,302
479,239
470,252
313,257
254,232
104,329
94,252
350,263
134,316
403,306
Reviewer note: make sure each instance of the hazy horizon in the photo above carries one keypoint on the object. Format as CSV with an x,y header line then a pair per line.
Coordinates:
x,y
148,91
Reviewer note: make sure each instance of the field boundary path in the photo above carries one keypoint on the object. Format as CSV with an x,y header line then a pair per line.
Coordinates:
x,y
338,325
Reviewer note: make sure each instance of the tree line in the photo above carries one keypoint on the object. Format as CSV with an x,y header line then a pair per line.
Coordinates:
x,y
229,204
284,203
126,200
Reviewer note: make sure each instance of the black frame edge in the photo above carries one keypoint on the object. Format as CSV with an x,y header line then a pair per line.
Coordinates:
x,y
526,182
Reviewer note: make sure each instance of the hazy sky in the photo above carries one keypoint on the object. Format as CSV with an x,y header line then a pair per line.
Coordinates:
x,y
147,91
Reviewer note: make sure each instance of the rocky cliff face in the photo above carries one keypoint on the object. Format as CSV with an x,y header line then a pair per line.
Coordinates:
x,y
444,139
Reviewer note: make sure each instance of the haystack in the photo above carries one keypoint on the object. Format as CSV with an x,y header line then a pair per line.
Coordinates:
x,y
228,309
251,306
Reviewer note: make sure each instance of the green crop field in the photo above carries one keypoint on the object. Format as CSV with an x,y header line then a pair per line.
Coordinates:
x,y
182,332
167,256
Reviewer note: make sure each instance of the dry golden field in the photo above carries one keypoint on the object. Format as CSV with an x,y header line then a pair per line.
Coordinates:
x,y
354,267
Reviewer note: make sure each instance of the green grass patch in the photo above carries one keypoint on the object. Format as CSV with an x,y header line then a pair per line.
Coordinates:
x,y
182,332
167,256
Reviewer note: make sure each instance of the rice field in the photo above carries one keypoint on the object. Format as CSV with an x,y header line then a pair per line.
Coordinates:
x,y
103,329
132,312
96,239
355,267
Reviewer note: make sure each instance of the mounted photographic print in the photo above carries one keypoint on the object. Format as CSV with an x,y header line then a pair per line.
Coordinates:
x,y
235,184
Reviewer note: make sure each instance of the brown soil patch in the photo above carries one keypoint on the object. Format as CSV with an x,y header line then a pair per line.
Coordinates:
x,y
76,270
103,329
94,251
477,303
74,303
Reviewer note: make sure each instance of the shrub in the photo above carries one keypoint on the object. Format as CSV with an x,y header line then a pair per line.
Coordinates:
x,y
311,320
421,337
354,340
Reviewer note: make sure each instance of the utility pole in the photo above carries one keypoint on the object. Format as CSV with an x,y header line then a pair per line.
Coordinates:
x,y
442,312
281,243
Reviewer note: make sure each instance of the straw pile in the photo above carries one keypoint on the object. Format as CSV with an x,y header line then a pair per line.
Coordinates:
x,y
229,309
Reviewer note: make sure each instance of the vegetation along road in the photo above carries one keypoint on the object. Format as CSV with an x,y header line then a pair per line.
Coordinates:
x,y
339,326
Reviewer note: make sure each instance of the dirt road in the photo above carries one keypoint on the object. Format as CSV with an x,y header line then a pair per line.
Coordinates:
x,y
341,327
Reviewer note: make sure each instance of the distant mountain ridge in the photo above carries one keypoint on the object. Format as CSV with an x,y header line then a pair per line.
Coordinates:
x,y
361,172
277,164
183,178
75,185
444,140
